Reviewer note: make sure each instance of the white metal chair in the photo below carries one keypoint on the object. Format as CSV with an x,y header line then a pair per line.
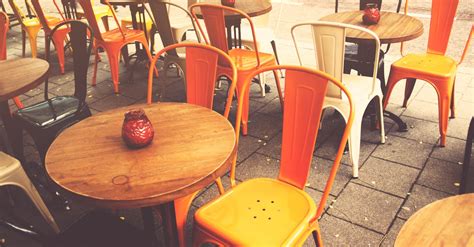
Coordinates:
x,y
11,173
329,41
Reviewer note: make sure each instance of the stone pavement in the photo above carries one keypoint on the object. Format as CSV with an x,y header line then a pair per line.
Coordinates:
x,y
396,179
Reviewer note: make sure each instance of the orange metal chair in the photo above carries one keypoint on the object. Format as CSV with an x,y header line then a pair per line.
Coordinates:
x,y
112,41
201,64
277,212
101,12
60,36
4,26
29,26
433,66
247,61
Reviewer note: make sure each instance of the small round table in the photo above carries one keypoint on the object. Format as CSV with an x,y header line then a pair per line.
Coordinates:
x,y
392,28
18,76
449,221
192,146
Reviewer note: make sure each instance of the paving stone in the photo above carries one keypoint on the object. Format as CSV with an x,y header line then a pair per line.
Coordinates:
x,y
422,110
366,207
419,197
319,174
273,108
404,151
441,175
329,150
247,146
271,148
258,165
379,174
111,102
263,126
453,151
337,232
419,130
458,128
392,234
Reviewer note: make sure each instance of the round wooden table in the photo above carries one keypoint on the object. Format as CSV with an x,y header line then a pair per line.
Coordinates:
x,y
18,76
192,146
392,27
449,222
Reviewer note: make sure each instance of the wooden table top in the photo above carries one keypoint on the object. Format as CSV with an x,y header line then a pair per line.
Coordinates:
x,y
19,75
449,221
392,27
191,148
250,7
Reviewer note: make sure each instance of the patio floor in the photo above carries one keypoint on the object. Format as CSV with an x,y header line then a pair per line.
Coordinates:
x,y
396,179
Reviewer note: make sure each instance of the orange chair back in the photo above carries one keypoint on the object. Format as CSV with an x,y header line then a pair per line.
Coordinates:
x,y
40,15
4,25
201,68
442,18
214,19
305,90
89,14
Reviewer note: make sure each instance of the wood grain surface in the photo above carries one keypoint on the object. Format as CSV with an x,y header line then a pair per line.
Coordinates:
x,y
447,222
191,148
392,27
19,75
250,7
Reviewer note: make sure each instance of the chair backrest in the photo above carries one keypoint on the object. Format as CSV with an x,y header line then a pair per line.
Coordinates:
x,y
201,68
442,18
38,10
89,14
161,19
4,26
81,51
70,10
214,19
17,11
305,91
329,43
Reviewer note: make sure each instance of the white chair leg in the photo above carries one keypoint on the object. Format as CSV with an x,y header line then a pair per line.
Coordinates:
x,y
19,178
381,122
354,146
262,80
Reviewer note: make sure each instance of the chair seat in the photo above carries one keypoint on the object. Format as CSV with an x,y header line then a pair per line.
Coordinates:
x,y
47,112
35,22
258,212
7,164
116,36
99,11
428,64
246,59
127,22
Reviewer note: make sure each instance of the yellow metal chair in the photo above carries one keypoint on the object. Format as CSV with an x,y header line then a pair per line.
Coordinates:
x,y
433,66
30,26
277,212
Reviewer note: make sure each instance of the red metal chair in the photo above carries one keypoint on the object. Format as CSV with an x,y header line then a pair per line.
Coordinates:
x,y
4,26
433,66
201,65
60,36
112,41
246,61
277,212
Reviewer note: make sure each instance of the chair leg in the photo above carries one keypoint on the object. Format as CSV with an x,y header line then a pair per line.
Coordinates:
x,y
280,94
393,79
200,237
181,206
32,37
444,100
96,63
354,145
453,115
18,103
318,240
20,179
113,54
105,21
380,118
410,85
23,42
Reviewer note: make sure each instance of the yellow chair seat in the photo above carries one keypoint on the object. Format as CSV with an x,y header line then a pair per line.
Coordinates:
x,y
33,22
258,212
428,64
246,59
99,11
